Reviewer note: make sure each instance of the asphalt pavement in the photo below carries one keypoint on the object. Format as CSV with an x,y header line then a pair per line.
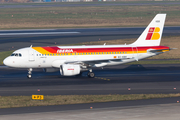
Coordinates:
x,y
142,79
15,39
122,79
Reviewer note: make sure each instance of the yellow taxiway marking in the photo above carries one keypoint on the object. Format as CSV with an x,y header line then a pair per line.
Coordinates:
x,y
102,78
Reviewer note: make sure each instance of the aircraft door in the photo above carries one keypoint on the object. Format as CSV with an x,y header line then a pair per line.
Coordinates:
x,y
43,61
135,53
31,55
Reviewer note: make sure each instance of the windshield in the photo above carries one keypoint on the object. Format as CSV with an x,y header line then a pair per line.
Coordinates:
x,y
16,54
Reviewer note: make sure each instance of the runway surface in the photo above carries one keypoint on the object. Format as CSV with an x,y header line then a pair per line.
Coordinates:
x,y
15,39
111,80
86,4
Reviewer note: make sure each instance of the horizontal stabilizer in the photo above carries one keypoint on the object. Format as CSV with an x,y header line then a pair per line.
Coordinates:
x,y
160,50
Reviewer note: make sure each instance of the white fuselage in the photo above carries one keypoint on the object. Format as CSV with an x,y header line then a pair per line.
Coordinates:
x,y
32,58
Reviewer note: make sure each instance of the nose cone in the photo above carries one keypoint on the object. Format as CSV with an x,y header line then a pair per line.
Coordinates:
x,y
7,61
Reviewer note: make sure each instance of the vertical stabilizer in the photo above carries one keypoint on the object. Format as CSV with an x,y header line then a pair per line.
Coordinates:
x,y
153,33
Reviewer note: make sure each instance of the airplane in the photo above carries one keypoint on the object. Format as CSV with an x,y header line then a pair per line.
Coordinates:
x,y
73,60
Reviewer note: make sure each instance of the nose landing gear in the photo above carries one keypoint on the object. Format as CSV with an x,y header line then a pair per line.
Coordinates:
x,y
29,73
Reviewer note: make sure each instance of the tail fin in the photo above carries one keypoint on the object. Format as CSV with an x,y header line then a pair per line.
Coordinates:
x,y
153,33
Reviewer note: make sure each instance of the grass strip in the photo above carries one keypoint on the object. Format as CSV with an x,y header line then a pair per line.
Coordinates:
x,y
26,101
89,16
156,62
3,55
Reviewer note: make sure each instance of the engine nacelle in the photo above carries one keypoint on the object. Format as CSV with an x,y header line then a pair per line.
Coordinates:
x,y
69,70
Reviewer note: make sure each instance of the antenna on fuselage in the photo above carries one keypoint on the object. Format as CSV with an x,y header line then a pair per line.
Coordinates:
x,y
104,43
31,46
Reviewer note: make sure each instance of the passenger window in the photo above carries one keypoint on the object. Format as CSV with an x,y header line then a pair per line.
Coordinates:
x,y
20,55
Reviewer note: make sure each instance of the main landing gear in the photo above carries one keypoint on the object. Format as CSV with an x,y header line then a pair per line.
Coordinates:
x,y
29,73
91,74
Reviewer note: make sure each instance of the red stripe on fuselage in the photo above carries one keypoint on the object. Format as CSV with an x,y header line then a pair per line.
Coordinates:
x,y
112,49
51,49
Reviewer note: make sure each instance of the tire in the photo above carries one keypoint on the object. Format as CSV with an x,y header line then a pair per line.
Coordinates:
x,y
91,75
29,76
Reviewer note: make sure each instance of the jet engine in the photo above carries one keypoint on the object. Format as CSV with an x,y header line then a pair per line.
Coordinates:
x,y
69,70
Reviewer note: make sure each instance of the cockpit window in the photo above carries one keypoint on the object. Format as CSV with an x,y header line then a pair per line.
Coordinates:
x,y
13,54
16,54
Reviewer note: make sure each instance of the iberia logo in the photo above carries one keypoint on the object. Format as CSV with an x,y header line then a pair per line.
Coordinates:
x,y
153,33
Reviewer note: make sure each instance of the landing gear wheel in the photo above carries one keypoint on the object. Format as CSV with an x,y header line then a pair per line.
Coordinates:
x,y
91,75
29,76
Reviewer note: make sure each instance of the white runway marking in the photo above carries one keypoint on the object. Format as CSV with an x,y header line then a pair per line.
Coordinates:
x,y
39,33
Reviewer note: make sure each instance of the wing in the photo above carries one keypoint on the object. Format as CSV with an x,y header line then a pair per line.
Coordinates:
x,y
96,63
